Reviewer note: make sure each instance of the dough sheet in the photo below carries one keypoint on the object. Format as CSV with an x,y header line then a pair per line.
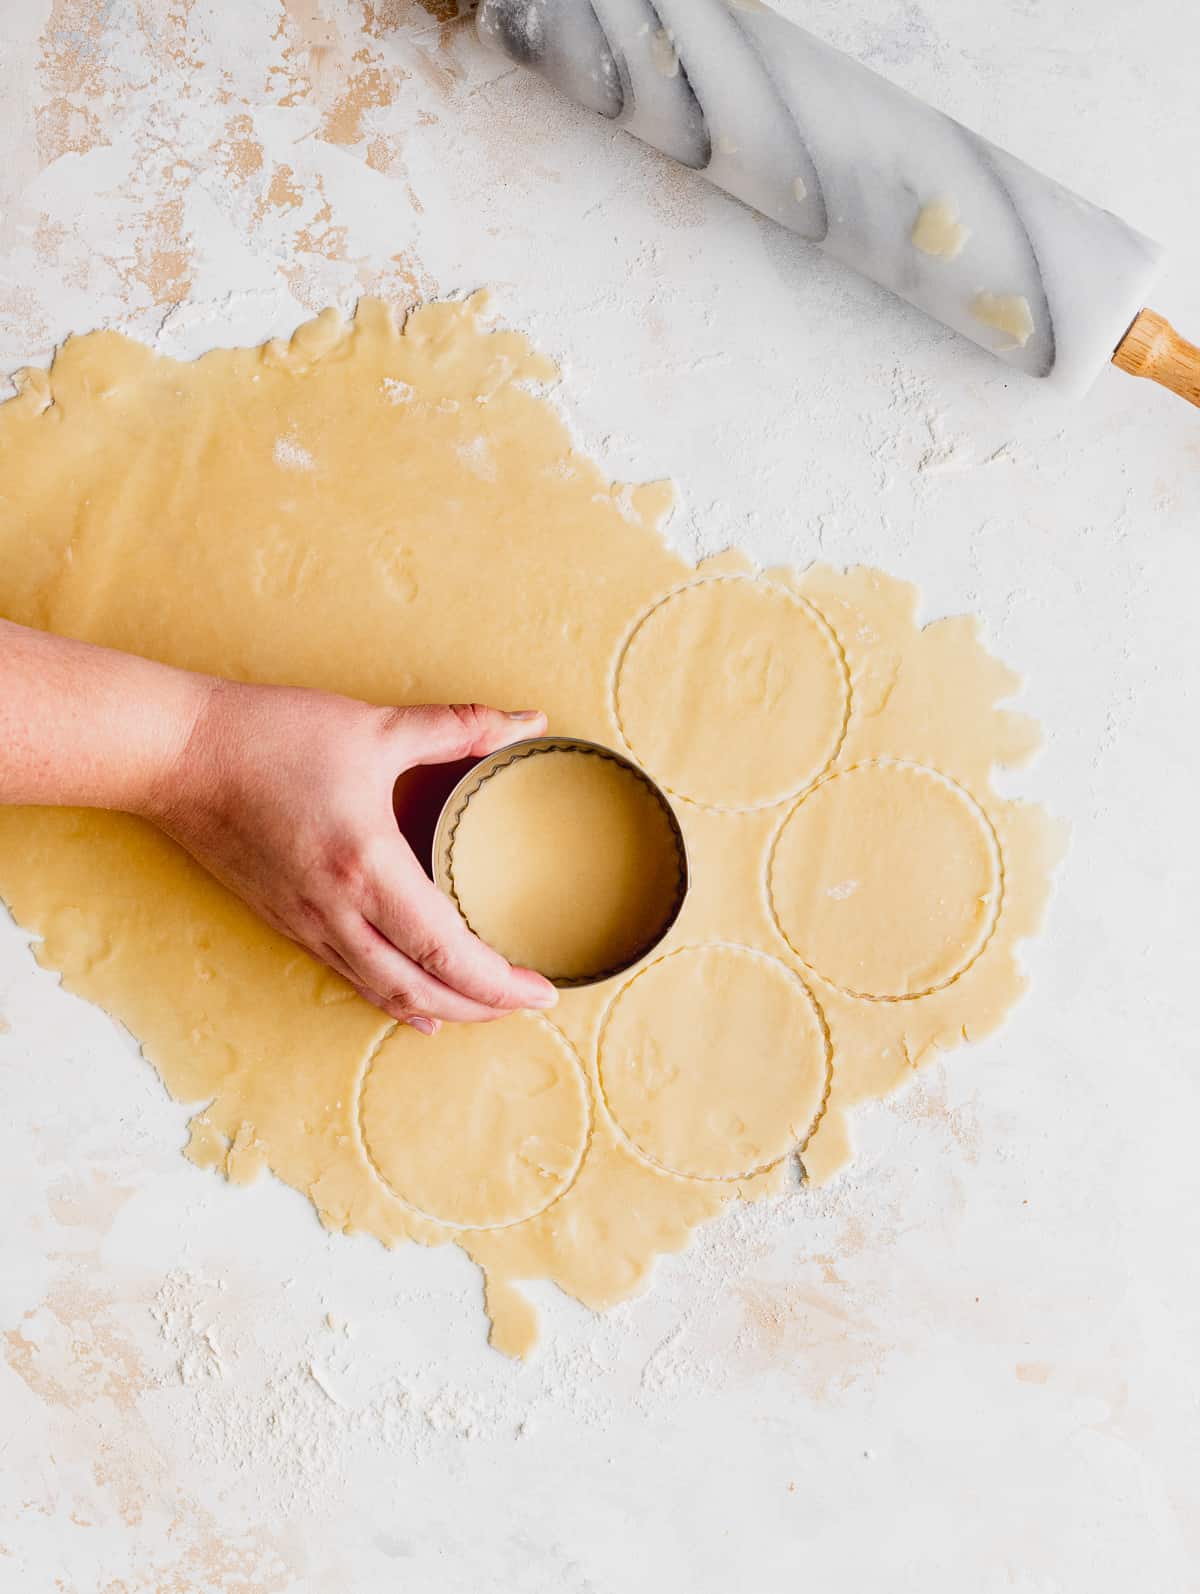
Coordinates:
x,y
399,514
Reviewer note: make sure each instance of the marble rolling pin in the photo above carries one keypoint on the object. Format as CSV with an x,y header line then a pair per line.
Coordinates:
x,y
1048,283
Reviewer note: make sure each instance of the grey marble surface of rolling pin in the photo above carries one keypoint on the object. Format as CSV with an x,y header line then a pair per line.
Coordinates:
x,y
1046,281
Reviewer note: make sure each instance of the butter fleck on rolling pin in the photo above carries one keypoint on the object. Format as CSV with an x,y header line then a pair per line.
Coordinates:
x,y
1048,283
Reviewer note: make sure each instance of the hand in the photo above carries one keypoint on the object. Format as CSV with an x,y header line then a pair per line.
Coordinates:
x,y
286,796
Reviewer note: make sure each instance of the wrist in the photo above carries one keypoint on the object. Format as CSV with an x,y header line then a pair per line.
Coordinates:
x,y
171,780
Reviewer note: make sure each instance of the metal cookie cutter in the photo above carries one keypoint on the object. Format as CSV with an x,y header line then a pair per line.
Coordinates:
x,y
456,804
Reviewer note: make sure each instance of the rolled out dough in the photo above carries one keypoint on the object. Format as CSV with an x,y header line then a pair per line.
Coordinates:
x,y
858,885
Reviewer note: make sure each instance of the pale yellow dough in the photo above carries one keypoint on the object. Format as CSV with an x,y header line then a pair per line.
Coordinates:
x,y
938,231
733,693
567,863
887,880
482,1135
714,1062
1006,312
859,887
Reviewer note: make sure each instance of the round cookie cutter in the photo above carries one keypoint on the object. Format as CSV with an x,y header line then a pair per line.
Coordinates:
x,y
455,806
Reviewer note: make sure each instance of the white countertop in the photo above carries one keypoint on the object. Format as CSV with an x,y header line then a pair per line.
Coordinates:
x,y
970,1363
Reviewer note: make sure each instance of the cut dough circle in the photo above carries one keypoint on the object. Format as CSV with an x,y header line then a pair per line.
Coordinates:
x,y
482,1127
714,1062
886,880
733,693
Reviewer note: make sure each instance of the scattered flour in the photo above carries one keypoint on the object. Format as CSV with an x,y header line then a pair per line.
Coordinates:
x,y
291,455
258,1397
477,457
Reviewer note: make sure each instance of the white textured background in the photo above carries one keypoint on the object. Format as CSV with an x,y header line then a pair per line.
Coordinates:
x,y
970,1365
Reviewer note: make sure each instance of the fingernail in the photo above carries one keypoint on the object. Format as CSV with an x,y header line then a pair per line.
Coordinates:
x,y
526,714
423,1026
545,996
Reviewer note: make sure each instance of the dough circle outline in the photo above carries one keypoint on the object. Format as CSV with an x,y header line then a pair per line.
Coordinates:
x,y
996,853
817,1012
566,1184
827,635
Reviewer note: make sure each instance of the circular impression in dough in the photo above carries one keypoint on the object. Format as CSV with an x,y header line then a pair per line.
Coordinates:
x,y
564,857
714,1062
733,693
483,1127
886,880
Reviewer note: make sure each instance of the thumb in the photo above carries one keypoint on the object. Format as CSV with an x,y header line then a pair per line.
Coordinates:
x,y
439,733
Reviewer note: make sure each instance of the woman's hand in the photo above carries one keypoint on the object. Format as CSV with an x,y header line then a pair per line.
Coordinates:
x,y
286,796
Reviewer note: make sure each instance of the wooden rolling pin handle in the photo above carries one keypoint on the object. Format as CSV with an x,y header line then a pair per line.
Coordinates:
x,y
1153,348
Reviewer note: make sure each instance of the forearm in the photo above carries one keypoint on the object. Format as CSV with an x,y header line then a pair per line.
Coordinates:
x,y
89,727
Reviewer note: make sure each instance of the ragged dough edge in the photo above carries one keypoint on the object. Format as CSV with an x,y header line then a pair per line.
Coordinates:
x,y
76,370
1031,843
225,1137
240,1160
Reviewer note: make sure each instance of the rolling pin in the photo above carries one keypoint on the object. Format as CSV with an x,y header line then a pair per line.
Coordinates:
x,y
1047,282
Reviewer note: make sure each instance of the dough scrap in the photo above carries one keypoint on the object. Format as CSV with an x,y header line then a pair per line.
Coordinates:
x,y
938,231
1007,312
275,515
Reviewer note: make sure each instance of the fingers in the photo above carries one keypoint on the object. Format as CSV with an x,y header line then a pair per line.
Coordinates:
x,y
422,922
329,953
403,989
440,733
400,942
417,1021
421,1022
